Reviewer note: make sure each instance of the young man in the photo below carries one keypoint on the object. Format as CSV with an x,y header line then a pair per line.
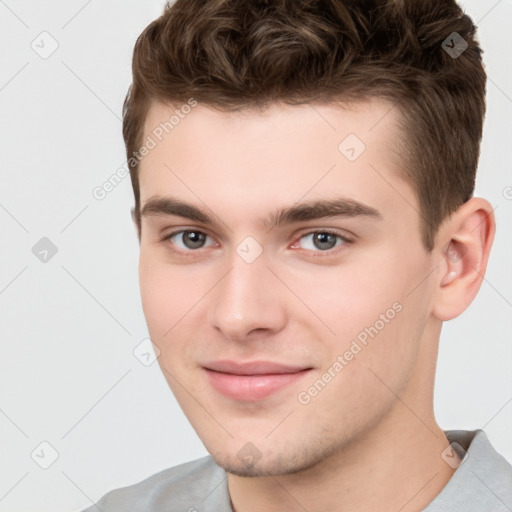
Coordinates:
x,y
303,175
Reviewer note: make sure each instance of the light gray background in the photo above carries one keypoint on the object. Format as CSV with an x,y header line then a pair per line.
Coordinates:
x,y
69,326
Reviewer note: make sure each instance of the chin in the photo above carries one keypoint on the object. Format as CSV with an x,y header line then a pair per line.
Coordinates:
x,y
274,464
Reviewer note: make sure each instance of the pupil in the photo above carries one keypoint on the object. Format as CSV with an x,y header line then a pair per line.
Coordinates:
x,y
324,238
193,240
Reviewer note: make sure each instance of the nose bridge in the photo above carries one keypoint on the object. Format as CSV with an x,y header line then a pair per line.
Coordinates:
x,y
246,298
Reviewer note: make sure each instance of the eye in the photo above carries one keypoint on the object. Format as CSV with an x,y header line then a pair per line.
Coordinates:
x,y
323,240
190,239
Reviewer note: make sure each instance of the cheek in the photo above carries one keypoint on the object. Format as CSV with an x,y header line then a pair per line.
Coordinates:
x,y
385,315
172,300
371,311
348,298
160,295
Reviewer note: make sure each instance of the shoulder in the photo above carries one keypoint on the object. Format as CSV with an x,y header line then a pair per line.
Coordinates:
x,y
482,481
183,487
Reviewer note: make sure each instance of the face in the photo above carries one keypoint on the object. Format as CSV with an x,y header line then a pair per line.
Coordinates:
x,y
289,296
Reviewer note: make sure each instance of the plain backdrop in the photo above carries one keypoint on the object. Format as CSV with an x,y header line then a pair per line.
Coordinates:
x,y
69,325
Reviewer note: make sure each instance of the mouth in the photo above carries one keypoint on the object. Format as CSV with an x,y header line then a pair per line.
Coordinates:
x,y
253,380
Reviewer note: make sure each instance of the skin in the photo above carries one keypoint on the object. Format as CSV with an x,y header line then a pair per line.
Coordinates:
x,y
369,439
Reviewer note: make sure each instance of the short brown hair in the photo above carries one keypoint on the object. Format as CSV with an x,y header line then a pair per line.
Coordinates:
x,y
236,54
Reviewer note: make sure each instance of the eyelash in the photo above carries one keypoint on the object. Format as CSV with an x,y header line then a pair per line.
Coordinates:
x,y
329,252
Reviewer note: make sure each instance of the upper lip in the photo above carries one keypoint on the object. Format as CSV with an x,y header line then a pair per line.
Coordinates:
x,y
252,367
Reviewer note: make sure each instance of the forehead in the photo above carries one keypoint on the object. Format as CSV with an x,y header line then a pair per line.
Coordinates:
x,y
255,159
362,117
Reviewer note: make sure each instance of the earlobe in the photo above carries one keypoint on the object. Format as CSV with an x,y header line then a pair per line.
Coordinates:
x,y
468,235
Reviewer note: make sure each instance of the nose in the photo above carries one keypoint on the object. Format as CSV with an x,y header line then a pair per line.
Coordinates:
x,y
247,300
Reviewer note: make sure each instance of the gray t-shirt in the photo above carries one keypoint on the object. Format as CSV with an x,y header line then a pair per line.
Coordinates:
x,y
481,483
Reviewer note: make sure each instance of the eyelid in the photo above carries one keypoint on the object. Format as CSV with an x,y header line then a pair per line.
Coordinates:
x,y
349,237
346,239
329,252
170,235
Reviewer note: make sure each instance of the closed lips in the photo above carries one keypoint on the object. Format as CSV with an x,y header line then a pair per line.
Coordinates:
x,y
253,367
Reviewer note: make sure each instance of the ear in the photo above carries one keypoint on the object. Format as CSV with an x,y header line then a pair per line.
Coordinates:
x,y
464,242
137,225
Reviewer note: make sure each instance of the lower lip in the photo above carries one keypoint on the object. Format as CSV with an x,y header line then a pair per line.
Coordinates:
x,y
251,387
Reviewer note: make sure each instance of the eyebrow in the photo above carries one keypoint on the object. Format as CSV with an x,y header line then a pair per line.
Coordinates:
x,y
319,209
